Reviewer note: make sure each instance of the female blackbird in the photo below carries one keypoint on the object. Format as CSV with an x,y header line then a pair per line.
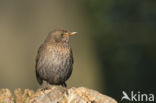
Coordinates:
x,y
54,61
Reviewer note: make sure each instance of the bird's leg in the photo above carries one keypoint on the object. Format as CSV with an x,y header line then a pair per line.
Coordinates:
x,y
45,86
64,85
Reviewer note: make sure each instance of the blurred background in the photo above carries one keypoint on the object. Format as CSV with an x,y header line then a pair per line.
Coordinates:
x,y
115,49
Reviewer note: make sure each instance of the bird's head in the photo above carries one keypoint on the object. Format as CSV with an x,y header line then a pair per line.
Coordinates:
x,y
59,36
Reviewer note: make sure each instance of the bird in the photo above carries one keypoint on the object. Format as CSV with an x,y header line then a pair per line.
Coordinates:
x,y
54,60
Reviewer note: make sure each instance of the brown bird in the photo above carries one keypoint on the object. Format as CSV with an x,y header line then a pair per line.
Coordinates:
x,y
54,61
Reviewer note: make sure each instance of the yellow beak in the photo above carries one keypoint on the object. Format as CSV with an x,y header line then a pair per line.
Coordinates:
x,y
72,33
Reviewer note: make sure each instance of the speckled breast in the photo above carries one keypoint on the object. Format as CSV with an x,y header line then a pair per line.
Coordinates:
x,y
55,66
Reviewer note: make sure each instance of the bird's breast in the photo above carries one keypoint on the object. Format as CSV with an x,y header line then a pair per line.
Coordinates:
x,y
57,55
55,65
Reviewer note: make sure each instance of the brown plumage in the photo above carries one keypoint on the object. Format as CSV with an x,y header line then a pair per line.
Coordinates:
x,y
54,61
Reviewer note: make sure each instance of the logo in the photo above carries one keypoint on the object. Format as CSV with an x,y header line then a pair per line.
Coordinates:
x,y
138,96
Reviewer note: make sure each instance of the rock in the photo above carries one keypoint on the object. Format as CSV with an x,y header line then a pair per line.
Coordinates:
x,y
6,96
55,95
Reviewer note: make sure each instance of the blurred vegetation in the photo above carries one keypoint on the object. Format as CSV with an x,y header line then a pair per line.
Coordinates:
x,y
125,42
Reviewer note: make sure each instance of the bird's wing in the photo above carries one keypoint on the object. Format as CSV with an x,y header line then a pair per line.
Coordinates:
x,y
37,59
71,56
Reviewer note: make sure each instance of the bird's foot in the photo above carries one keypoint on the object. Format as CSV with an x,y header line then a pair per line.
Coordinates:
x,y
66,91
65,88
45,88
